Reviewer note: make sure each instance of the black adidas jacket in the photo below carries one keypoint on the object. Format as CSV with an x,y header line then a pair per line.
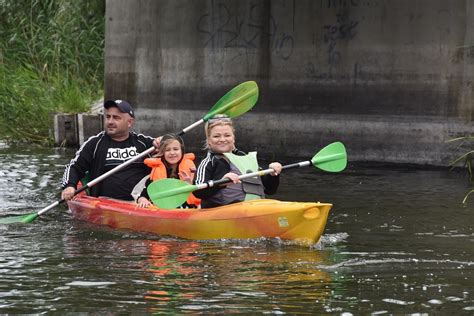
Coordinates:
x,y
99,154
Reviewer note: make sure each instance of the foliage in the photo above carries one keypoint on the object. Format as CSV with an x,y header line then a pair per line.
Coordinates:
x,y
467,160
51,60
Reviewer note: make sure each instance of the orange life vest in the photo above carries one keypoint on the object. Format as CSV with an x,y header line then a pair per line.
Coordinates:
x,y
158,171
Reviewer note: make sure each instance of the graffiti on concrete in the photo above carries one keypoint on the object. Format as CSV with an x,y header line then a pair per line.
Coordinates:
x,y
357,77
333,38
246,34
338,3
344,29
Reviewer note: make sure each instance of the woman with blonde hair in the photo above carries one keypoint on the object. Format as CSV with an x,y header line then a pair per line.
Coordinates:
x,y
224,160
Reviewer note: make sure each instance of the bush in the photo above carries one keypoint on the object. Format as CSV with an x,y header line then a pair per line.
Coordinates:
x,y
51,60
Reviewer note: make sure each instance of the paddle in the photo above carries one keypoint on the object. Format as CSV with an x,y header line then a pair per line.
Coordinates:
x,y
170,193
236,102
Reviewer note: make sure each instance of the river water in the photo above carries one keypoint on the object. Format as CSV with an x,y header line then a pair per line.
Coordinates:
x,y
398,241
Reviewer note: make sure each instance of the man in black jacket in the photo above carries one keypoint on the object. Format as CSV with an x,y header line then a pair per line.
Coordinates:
x,y
108,149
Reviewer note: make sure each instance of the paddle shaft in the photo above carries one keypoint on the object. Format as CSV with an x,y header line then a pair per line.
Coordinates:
x,y
169,193
253,174
316,160
211,183
115,170
234,103
214,111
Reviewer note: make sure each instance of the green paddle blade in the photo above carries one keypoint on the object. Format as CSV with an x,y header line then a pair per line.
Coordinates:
x,y
236,102
332,158
169,193
19,219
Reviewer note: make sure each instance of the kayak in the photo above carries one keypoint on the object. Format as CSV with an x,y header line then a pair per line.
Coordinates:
x,y
301,222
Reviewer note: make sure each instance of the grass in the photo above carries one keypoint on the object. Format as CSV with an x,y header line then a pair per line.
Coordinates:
x,y
467,159
51,60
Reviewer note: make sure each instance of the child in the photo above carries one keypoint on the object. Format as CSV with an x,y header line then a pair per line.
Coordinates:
x,y
171,163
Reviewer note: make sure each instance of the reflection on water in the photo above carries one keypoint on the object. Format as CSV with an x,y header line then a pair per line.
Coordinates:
x,y
398,241
232,275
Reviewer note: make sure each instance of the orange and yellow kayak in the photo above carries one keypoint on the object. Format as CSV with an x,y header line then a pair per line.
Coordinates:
x,y
302,222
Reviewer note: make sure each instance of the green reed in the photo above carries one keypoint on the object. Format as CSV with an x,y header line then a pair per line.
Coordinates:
x,y
51,60
467,159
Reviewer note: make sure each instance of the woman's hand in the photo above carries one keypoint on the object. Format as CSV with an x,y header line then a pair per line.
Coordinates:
x,y
276,166
232,176
143,202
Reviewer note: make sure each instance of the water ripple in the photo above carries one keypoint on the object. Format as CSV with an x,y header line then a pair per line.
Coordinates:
x,y
388,261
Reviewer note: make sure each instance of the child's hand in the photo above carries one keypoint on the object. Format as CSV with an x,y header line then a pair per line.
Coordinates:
x,y
143,202
186,177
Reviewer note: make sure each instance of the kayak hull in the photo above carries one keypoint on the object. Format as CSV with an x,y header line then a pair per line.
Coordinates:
x,y
302,222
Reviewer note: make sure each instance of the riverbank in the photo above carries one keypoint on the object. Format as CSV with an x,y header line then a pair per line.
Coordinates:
x,y
51,60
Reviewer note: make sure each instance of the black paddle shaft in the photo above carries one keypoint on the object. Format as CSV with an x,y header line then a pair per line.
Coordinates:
x,y
258,173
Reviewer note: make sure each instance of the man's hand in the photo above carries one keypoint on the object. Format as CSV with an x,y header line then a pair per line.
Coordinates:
x,y
68,193
156,142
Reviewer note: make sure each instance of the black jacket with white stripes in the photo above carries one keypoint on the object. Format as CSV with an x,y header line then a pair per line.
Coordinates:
x,y
214,167
99,154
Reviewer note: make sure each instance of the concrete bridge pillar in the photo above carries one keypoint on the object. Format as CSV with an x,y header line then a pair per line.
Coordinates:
x,y
392,79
